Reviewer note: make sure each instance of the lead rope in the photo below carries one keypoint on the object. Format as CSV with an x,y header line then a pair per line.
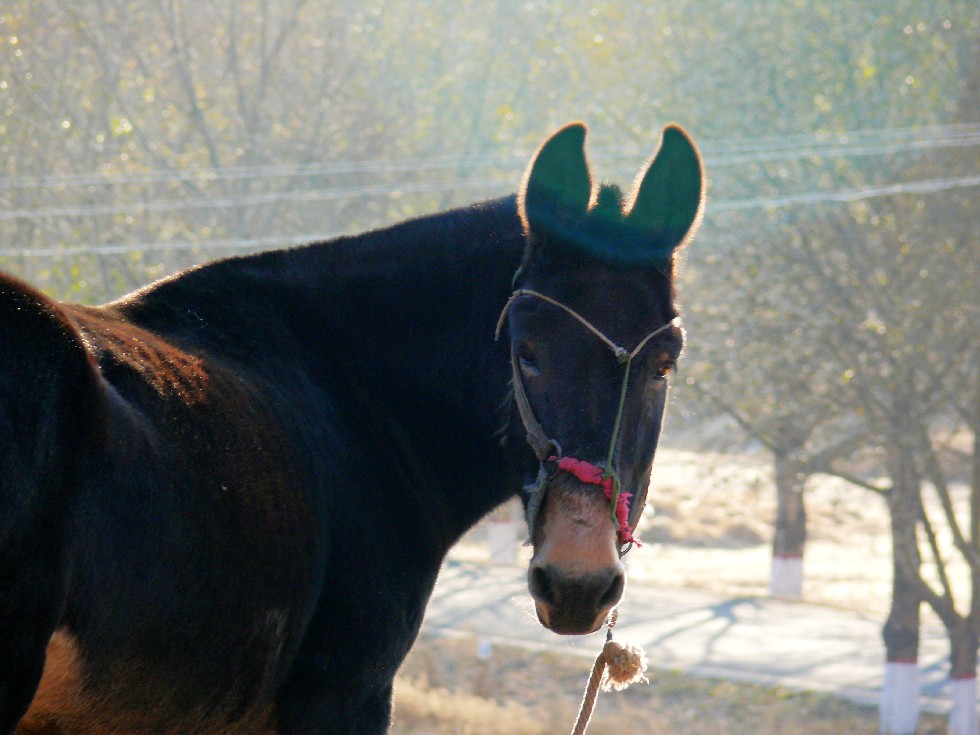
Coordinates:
x,y
616,667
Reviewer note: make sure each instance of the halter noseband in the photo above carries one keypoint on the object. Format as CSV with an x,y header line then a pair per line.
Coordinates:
x,y
548,451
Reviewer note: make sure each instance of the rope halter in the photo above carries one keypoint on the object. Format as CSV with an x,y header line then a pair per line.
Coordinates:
x,y
548,450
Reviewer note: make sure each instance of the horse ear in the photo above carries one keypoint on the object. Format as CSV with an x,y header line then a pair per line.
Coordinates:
x,y
668,198
557,185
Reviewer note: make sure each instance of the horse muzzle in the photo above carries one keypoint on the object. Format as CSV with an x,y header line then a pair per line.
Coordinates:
x,y
576,576
574,604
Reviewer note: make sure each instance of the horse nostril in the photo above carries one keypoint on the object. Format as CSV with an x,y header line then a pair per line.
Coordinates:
x,y
540,585
614,592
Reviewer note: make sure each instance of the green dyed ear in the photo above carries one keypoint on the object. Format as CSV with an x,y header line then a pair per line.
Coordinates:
x,y
668,198
557,185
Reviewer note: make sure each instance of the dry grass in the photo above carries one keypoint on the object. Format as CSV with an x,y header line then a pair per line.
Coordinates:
x,y
445,689
422,708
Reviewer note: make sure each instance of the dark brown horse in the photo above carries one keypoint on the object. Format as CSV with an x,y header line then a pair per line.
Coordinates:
x,y
225,498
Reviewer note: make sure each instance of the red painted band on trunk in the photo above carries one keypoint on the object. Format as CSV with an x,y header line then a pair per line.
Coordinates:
x,y
902,660
787,556
963,677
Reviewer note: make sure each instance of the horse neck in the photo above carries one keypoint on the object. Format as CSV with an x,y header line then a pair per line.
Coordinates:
x,y
408,321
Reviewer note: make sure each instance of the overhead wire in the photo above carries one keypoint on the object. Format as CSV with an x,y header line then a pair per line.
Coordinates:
x,y
735,152
870,142
929,186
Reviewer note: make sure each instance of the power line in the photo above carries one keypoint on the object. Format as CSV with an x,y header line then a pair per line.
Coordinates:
x,y
227,244
305,195
206,175
847,137
789,147
849,151
909,187
930,186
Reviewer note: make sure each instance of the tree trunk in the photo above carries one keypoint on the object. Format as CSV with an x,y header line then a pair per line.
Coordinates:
x,y
786,575
899,713
964,639
963,679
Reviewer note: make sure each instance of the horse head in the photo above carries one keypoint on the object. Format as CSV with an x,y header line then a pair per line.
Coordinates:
x,y
593,334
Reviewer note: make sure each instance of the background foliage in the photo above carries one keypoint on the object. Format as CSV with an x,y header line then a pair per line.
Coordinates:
x,y
156,122
831,297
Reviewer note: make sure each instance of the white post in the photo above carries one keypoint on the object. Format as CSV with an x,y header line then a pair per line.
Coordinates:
x,y
502,539
899,710
502,535
786,577
963,714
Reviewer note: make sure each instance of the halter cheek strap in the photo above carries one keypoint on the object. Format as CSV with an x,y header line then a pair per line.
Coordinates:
x,y
548,450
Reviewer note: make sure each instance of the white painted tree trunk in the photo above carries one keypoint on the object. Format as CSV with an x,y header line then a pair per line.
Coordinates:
x,y
899,711
786,577
963,714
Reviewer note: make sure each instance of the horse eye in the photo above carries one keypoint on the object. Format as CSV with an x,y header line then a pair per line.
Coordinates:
x,y
527,361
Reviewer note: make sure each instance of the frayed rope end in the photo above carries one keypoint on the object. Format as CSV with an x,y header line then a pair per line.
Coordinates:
x,y
616,667
625,664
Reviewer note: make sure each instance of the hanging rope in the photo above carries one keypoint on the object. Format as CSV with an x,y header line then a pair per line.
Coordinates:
x,y
616,667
